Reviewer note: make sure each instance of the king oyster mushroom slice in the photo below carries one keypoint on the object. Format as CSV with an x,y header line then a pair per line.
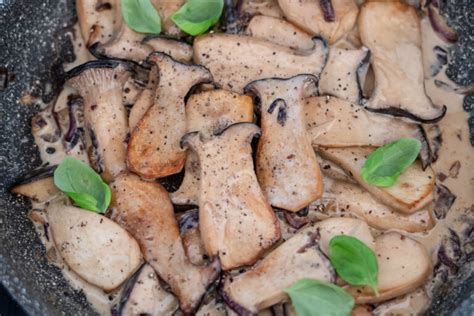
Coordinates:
x,y
100,84
144,295
96,19
391,30
236,60
154,150
333,171
37,185
144,100
209,112
404,264
311,16
237,224
191,237
177,49
145,210
343,76
412,191
261,7
280,32
287,168
93,246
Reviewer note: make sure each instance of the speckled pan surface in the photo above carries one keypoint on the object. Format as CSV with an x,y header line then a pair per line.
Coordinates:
x,y
34,42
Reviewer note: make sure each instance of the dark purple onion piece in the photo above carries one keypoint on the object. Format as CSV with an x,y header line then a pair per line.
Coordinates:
x,y
73,103
295,220
441,27
236,307
447,261
328,10
189,220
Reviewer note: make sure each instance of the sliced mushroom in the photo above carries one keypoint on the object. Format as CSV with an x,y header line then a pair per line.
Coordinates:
x,y
412,191
237,224
343,76
93,246
153,149
166,8
38,185
311,17
236,60
404,264
100,84
177,49
286,164
413,303
143,294
263,7
280,32
191,236
145,210
96,19
144,100
263,285
209,112
333,171
391,30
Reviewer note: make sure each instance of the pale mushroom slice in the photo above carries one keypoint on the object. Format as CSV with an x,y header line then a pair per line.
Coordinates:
x,y
236,222
209,112
344,73
314,19
404,265
153,149
391,30
144,100
412,191
96,19
37,185
191,237
176,48
236,60
100,84
264,284
93,246
145,210
287,171
261,7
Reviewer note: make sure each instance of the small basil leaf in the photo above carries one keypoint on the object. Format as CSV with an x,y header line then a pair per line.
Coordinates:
x,y
354,262
384,165
197,16
313,297
82,184
141,16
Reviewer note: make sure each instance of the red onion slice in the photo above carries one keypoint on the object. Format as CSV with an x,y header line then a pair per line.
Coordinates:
x,y
440,26
328,10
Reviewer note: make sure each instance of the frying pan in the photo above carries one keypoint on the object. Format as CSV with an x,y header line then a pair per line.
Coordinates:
x,y
33,45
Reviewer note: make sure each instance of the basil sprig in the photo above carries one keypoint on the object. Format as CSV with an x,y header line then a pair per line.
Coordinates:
x,y
197,16
141,16
313,297
354,262
83,185
384,165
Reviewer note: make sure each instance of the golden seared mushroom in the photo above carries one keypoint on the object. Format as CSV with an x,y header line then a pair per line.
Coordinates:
x,y
236,60
330,18
93,246
153,149
236,222
145,210
287,168
96,19
391,30
100,84
209,112
404,265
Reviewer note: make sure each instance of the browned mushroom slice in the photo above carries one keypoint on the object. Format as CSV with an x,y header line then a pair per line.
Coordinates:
x,y
404,265
344,73
237,224
311,17
105,262
177,49
96,19
263,285
287,170
145,210
411,192
236,60
209,112
100,84
391,30
153,149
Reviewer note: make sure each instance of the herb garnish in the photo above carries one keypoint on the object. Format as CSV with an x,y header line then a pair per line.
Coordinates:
x,y
197,16
141,16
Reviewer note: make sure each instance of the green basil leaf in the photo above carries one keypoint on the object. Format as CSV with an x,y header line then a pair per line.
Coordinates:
x,y
313,297
141,16
384,165
83,185
197,16
354,262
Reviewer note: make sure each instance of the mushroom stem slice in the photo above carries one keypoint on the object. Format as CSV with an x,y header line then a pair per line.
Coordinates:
x,y
153,149
145,210
287,168
237,224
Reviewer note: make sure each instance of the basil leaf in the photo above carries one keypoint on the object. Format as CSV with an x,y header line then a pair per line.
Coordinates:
x,y
384,165
83,185
313,297
141,16
197,16
354,262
